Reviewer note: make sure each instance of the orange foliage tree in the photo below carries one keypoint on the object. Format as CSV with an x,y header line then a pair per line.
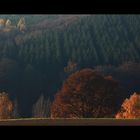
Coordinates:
x,y
86,94
130,107
6,106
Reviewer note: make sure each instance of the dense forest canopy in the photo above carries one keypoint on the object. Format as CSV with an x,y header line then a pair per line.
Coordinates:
x,y
32,63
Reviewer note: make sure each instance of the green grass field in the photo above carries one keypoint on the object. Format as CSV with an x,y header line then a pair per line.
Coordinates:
x,y
69,122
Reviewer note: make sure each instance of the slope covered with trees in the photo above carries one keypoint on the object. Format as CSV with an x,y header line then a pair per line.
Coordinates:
x,y
37,61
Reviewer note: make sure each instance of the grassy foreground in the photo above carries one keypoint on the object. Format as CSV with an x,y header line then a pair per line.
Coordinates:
x,y
68,122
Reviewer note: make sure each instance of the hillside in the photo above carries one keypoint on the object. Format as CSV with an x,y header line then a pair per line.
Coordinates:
x,y
102,39
33,63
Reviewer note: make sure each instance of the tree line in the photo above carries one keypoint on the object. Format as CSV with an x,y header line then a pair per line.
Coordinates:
x,y
84,94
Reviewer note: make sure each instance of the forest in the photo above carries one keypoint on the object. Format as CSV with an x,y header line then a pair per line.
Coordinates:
x,y
39,63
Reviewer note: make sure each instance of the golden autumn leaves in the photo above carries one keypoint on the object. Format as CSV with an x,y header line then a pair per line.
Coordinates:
x,y
130,108
6,25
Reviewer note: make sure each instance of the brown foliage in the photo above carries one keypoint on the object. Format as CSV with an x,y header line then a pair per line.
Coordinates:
x,y
6,106
71,67
130,108
86,94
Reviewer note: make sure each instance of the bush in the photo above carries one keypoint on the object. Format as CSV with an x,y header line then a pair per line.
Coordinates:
x,y
6,106
130,108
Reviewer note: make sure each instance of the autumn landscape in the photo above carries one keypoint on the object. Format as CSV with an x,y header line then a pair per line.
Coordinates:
x,y
69,69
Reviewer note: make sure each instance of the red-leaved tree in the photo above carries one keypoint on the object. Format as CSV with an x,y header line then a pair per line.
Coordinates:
x,y
86,94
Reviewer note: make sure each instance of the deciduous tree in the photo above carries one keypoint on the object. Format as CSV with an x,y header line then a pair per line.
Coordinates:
x,y
130,107
86,94
6,106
